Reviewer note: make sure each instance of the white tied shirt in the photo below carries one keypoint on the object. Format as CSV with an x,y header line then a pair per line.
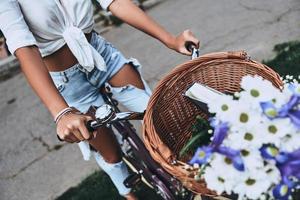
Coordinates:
x,y
50,24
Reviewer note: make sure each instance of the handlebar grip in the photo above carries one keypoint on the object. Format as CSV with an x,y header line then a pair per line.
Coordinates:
x,y
89,126
190,46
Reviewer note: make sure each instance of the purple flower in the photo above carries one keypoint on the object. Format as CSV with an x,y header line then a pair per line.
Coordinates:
x,y
285,109
282,191
290,169
202,155
269,152
289,166
269,109
295,117
288,110
219,134
234,156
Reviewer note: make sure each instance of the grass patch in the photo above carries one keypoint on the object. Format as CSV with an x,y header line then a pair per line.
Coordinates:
x,y
98,186
287,60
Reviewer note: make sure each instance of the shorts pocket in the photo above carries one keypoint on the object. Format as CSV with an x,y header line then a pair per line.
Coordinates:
x,y
60,87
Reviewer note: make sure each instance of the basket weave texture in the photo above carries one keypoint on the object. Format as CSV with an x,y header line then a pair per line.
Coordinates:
x,y
169,115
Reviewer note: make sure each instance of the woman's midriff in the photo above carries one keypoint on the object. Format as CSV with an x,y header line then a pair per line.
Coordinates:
x,y
62,59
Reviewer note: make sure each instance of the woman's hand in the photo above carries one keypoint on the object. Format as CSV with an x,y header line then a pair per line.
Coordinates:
x,y
72,128
178,43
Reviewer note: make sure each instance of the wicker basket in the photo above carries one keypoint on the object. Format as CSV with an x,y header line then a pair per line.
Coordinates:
x,y
169,115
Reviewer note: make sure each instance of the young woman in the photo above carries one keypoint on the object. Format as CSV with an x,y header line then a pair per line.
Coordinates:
x,y
66,63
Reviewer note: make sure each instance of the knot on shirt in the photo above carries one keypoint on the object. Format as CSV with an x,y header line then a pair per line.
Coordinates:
x,y
85,53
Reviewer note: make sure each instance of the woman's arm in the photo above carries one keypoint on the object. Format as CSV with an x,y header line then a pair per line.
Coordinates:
x,y
134,16
38,77
71,127
21,42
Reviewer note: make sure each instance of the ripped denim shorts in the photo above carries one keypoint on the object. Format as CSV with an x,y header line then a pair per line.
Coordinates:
x,y
81,89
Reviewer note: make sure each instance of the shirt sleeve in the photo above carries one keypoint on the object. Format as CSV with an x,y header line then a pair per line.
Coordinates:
x,y
105,3
14,27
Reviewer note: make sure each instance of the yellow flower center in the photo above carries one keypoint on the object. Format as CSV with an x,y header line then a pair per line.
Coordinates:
x,y
254,93
272,129
201,154
224,107
248,136
250,181
271,112
244,118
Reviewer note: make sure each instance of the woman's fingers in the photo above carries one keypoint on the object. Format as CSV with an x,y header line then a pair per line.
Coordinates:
x,y
72,128
71,139
78,135
189,36
68,136
186,36
83,129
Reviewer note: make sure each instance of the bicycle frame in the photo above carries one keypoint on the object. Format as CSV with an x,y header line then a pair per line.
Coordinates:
x,y
137,156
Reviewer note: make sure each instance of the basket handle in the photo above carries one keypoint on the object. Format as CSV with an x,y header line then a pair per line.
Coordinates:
x,y
226,55
238,54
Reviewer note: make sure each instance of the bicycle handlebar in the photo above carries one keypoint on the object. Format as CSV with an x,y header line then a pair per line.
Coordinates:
x,y
89,126
105,116
192,47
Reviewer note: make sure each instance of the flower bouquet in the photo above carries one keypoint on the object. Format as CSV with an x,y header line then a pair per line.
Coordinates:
x,y
254,150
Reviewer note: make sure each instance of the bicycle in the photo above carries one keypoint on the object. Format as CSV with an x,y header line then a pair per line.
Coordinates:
x,y
135,154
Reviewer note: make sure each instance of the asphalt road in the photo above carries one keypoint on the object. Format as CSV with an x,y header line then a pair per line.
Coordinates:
x,y
34,166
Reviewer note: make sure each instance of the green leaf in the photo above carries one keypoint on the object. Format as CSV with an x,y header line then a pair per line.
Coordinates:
x,y
188,146
199,136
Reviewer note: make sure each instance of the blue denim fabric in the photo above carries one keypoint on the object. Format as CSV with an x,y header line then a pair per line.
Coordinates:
x,y
80,89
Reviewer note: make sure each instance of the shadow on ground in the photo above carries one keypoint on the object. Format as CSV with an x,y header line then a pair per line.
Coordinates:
x,y
98,186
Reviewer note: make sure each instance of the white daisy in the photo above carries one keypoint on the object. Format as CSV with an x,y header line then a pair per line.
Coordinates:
x,y
221,176
223,164
214,180
248,138
290,142
294,87
274,130
283,97
257,89
244,117
272,172
253,184
223,107
252,159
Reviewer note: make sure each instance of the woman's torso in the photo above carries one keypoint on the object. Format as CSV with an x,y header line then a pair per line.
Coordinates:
x,y
50,20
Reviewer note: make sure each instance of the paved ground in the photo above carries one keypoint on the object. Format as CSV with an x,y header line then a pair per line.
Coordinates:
x,y
33,165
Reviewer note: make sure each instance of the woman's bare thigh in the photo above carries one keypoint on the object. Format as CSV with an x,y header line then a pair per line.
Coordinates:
x,y
105,142
127,75
107,145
